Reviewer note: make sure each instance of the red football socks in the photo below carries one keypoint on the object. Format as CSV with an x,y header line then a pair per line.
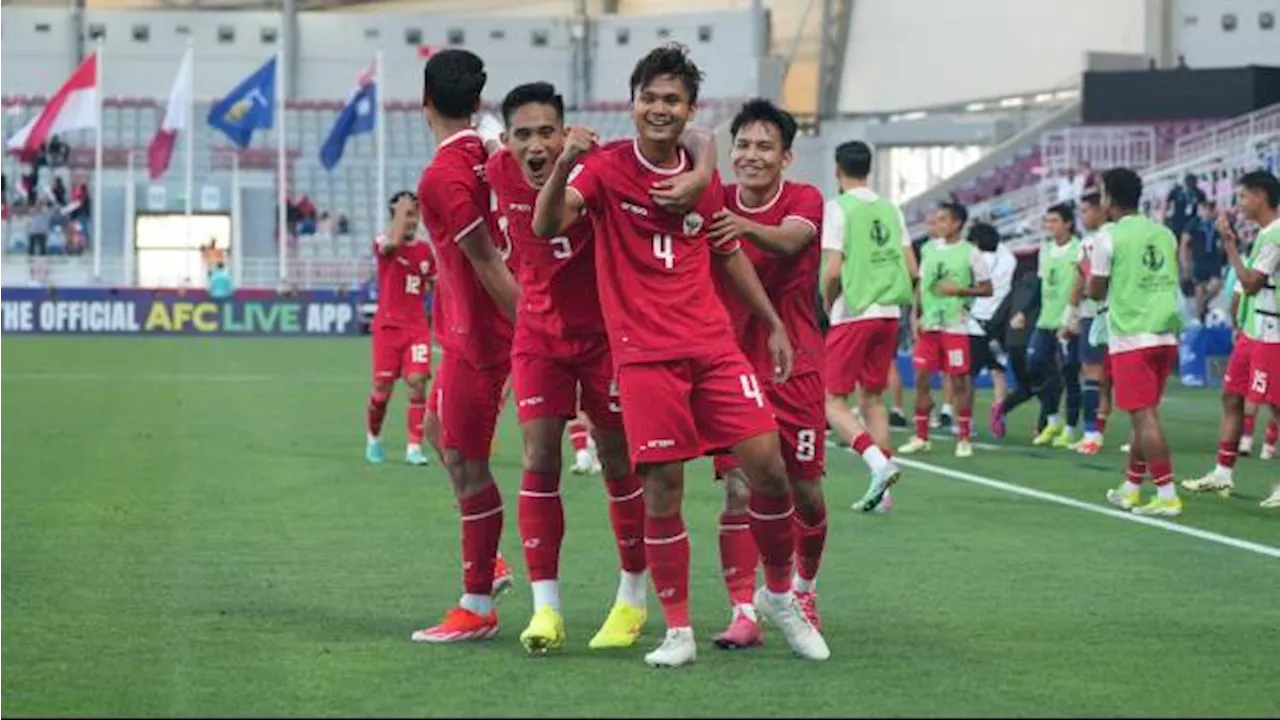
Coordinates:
x,y
1227,453
1162,472
417,411
922,426
771,524
578,435
811,538
540,516
1249,422
738,557
1136,471
481,532
964,424
626,514
1273,432
376,411
666,547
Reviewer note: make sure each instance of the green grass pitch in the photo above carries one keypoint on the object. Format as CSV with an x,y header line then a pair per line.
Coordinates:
x,y
190,529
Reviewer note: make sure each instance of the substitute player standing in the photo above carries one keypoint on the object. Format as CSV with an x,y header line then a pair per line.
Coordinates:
x,y
401,336
685,386
1095,384
1135,267
560,358
951,272
1253,372
866,281
473,311
781,221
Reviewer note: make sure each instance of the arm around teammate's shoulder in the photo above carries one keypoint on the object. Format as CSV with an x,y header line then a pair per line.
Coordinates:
x,y
491,269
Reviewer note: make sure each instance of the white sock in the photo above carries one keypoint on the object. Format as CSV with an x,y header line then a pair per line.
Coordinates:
x,y
1093,436
946,409
371,437
1246,443
1053,419
777,598
582,458
413,448
1167,491
1131,487
746,610
632,589
799,584
546,593
875,458
898,411
1222,472
478,604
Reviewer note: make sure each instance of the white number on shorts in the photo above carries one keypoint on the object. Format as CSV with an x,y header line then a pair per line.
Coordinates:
x,y
413,284
560,248
751,389
955,358
418,353
806,445
662,249
1259,383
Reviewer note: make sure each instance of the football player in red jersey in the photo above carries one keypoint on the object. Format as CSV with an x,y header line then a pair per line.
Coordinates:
x,y
780,220
474,308
685,386
401,336
560,358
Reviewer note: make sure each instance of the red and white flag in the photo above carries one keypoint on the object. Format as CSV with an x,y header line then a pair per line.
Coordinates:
x,y
73,107
160,151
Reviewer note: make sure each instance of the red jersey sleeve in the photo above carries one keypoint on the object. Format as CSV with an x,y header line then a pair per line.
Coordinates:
x,y
584,178
808,207
450,194
711,203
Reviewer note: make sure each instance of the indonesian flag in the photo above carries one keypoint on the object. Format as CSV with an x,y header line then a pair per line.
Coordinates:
x,y
160,151
73,107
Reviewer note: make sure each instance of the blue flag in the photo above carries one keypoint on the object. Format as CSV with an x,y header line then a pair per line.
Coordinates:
x,y
250,106
357,117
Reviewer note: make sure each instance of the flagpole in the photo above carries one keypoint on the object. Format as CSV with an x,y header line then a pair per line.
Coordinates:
x,y
130,208
97,199
189,131
281,196
237,238
380,125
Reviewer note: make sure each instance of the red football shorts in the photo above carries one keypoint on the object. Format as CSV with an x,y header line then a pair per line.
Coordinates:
x,y
1138,376
674,410
469,401
1264,380
551,374
400,352
943,352
800,407
859,354
1239,367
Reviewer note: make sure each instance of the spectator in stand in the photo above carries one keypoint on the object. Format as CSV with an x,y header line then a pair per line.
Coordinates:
x,y
344,225
4,196
59,191
1182,203
221,286
29,182
58,152
1201,259
39,223
81,212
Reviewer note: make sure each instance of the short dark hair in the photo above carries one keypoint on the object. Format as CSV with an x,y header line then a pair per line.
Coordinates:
x,y
539,93
1123,186
957,211
669,59
452,81
1264,182
761,110
1092,198
985,236
1064,211
391,204
854,159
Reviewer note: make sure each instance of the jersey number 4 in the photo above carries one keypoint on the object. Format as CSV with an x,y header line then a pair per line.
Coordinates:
x,y
664,250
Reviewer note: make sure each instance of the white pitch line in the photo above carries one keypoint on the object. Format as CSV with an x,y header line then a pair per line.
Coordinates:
x,y
1259,548
179,378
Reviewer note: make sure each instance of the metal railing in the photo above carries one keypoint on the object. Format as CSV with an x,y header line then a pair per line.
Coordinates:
x,y
1259,122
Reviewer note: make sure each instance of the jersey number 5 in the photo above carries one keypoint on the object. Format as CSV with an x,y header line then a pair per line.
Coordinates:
x,y
664,251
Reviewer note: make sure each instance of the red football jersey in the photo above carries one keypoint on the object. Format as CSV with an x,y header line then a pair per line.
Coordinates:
x,y
454,198
791,282
653,268
558,294
404,275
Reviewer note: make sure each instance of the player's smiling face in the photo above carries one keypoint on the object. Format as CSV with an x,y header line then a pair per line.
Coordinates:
x,y
1056,226
758,156
535,138
1091,215
661,109
1251,202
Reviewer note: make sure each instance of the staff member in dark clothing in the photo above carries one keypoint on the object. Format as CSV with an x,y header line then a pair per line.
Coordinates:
x,y
1201,260
1181,204
1013,321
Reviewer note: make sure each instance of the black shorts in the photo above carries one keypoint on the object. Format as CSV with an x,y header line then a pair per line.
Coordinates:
x,y
981,354
1203,273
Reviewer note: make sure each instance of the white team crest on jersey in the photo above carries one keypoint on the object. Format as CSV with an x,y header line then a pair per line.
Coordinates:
x,y
692,224
424,268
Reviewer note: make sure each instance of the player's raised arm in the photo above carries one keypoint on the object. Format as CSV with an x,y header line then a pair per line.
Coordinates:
x,y
404,222
491,269
742,276
556,208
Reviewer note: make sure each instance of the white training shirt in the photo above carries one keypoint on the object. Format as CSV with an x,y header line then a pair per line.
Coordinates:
x,y
1003,265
